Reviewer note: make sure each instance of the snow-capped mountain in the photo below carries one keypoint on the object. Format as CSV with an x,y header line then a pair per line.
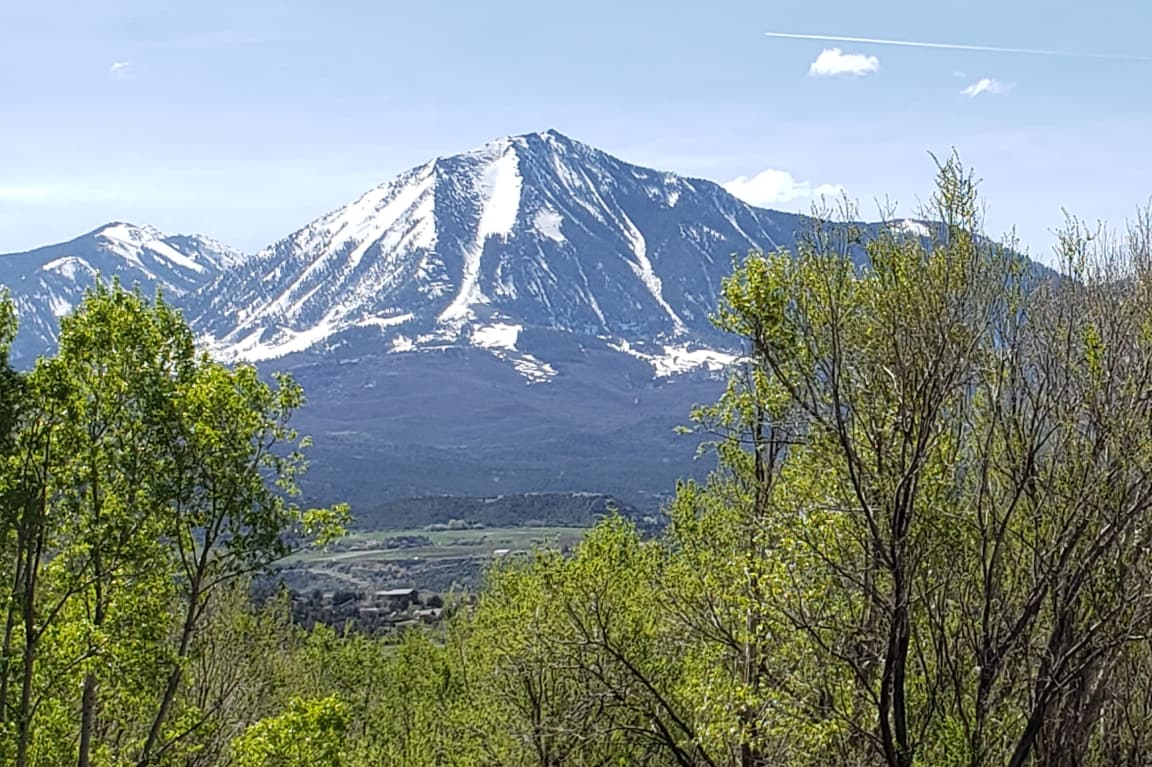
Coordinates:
x,y
48,282
534,231
416,317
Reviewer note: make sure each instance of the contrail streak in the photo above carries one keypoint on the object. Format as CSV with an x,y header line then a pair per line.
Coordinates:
x,y
960,47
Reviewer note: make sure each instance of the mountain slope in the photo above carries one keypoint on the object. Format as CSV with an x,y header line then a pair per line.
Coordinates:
x,y
46,283
533,231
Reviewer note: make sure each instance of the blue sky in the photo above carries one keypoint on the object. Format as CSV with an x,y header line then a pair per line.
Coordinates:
x,y
246,119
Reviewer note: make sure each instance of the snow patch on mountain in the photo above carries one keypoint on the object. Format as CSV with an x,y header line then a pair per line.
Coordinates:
x,y
675,359
643,269
682,359
499,338
547,224
68,267
371,229
131,241
253,348
498,188
59,306
260,346
384,322
401,344
496,336
375,218
217,255
533,369
909,226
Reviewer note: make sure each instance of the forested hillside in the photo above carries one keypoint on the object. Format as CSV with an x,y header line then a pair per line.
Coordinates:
x,y
929,542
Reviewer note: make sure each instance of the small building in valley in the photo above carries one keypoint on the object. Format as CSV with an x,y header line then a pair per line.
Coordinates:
x,y
397,599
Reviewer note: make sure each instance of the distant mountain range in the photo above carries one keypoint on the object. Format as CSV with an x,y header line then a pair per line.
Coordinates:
x,y
48,282
531,315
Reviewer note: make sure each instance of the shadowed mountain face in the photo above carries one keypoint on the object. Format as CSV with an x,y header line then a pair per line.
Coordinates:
x,y
530,315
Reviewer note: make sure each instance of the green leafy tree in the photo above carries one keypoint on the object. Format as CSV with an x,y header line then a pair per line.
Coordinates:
x,y
120,363
17,540
144,479
939,463
309,733
571,661
230,481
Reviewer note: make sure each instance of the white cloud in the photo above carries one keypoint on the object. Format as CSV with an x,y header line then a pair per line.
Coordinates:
x,y
832,61
122,70
987,85
774,187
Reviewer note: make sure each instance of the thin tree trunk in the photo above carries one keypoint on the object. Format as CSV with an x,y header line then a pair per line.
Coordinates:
x,y
88,699
173,684
15,604
33,547
31,646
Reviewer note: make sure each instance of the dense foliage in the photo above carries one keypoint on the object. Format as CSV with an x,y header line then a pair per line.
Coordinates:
x,y
140,479
927,544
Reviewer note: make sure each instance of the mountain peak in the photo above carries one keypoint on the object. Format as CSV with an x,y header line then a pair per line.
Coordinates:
x,y
548,136
124,232
545,141
526,233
